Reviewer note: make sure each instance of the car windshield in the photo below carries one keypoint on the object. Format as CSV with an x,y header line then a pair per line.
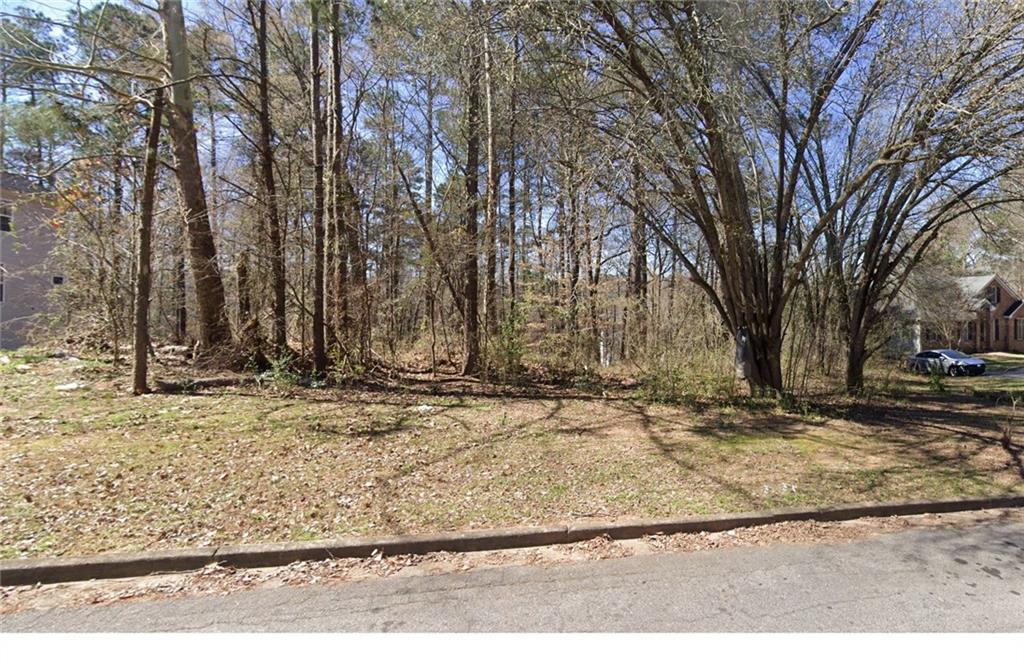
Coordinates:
x,y
954,354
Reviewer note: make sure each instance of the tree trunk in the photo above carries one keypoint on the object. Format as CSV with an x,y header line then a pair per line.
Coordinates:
x,y
214,200
512,180
214,329
277,270
856,358
766,361
345,204
244,294
428,206
3,126
144,273
118,303
470,295
636,283
316,114
491,215
391,250
180,297
572,260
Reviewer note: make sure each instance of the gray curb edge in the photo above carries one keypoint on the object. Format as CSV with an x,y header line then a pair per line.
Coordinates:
x,y
15,572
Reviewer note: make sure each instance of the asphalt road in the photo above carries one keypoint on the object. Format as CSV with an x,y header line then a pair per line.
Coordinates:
x,y
932,579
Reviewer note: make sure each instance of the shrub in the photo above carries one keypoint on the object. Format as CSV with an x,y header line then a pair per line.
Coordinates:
x,y
506,359
677,380
343,369
282,371
937,381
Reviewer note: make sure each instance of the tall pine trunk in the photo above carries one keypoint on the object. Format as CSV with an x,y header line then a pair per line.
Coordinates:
x,y
214,329
144,272
428,206
471,289
339,276
635,336
316,114
512,180
271,209
491,215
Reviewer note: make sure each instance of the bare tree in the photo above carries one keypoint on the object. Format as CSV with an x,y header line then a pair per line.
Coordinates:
x,y
270,205
471,290
491,194
317,123
143,275
214,329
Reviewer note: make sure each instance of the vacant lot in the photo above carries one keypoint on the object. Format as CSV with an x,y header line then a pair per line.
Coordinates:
x,y
85,467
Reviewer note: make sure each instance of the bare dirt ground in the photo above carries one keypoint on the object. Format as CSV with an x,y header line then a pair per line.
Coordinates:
x,y
87,468
217,581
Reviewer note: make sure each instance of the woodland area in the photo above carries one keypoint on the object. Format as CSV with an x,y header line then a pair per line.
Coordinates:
x,y
411,267
339,187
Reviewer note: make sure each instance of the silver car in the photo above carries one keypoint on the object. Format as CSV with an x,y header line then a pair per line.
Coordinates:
x,y
949,362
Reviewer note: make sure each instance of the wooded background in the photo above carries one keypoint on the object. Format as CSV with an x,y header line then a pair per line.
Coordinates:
x,y
486,187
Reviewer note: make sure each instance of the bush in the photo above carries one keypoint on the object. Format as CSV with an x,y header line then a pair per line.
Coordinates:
x,y
675,380
282,371
506,359
343,369
937,381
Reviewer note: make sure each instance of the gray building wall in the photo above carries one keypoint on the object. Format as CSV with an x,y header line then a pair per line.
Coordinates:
x,y
24,256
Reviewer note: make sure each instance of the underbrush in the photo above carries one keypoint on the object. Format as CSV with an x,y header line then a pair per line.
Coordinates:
x,y
691,380
504,359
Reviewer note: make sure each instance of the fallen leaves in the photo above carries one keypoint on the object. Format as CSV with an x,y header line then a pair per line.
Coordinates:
x,y
218,580
96,470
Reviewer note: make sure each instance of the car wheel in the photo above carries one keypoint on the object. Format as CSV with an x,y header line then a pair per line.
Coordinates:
x,y
956,370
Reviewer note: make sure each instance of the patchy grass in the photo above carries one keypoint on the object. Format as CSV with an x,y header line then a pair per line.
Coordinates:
x,y
994,384
94,469
1003,361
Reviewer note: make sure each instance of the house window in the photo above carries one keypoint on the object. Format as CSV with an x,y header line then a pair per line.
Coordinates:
x,y
996,329
1018,329
58,280
995,295
971,327
5,217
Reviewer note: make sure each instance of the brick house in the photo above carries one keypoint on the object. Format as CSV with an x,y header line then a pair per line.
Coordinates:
x,y
26,272
982,314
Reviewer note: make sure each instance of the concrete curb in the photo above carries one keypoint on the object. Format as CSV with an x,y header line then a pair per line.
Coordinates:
x,y
15,572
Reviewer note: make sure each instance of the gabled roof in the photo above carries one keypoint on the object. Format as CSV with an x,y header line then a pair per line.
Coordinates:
x,y
973,286
1014,307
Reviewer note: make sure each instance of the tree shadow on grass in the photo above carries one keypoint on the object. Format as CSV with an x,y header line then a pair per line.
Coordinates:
x,y
951,434
922,443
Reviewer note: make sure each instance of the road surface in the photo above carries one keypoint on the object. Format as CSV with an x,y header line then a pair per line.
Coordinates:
x,y
930,579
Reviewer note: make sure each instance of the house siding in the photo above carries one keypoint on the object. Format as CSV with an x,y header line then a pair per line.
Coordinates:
x,y
1005,338
1015,345
25,256
988,331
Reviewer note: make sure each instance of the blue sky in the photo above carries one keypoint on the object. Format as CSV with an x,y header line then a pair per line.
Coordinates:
x,y
52,8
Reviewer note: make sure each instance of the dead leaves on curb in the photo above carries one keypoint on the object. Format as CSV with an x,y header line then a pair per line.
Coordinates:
x,y
217,580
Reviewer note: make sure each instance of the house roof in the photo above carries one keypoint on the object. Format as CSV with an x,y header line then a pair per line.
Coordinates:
x,y
974,285
973,296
